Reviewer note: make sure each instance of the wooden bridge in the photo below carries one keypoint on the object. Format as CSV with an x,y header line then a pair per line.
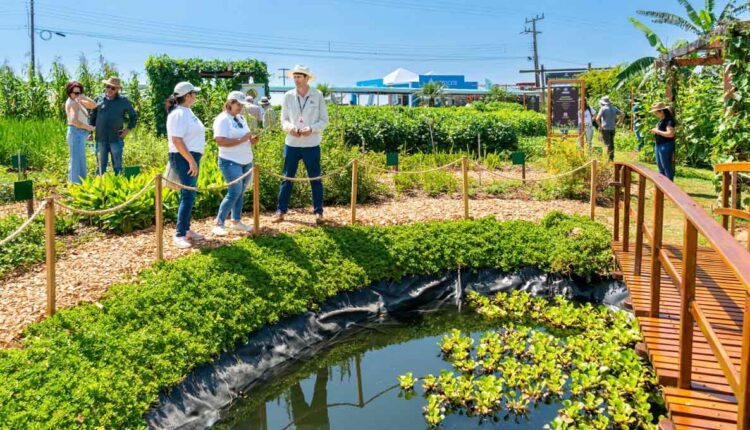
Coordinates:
x,y
693,314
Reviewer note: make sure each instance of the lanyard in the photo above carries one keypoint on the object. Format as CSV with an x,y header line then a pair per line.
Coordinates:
x,y
302,106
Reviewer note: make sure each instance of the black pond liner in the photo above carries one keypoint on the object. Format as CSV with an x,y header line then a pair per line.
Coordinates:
x,y
203,398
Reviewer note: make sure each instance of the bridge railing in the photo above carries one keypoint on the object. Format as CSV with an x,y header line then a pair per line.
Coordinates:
x,y
730,208
732,253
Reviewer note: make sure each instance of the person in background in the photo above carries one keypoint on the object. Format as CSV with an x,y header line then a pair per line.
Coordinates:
x,y
664,132
234,139
304,116
269,113
112,109
76,106
589,114
608,118
187,141
253,111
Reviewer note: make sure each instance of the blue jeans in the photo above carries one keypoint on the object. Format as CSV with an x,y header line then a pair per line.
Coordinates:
x,y
187,197
103,150
311,158
77,146
664,156
233,200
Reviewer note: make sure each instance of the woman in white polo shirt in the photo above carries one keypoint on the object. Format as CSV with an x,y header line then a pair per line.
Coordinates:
x,y
235,141
187,141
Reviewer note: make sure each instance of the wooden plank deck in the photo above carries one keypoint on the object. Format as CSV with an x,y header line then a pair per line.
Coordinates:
x,y
710,402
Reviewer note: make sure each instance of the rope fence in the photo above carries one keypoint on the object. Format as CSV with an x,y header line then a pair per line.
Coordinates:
x,y
158,181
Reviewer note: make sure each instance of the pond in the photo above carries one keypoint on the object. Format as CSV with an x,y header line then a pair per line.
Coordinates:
x,y
354,384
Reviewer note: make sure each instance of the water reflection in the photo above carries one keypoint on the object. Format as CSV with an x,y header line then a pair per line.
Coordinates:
x,y
315,415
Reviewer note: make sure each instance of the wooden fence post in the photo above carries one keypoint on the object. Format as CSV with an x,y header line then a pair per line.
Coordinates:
x,y
618,183
687,291
159,216
465,171
626,178
639,224
655,251
49,224
593,187
256,199
355,172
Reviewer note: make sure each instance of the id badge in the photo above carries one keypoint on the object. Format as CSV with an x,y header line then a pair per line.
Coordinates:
x,y
301,120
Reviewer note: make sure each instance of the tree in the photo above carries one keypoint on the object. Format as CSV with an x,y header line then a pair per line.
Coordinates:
x,y
699,22
325,89
430,92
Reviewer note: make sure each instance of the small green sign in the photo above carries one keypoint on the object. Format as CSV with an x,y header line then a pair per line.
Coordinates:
x,y
23,190
131,171
19,162
518,158
391,159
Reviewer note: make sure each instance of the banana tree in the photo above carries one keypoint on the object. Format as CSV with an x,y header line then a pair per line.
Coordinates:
x,y
699,22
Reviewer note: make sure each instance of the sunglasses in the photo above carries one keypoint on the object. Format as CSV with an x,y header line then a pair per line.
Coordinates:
x,y
110,87
77,92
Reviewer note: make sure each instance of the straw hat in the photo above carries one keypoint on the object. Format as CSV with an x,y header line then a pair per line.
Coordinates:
x,y
113,81
658,106
299,68
605,101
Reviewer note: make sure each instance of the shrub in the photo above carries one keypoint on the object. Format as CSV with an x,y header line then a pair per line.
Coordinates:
x,y
104,365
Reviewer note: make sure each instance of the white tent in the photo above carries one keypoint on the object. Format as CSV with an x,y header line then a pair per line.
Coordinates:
x,y
400,76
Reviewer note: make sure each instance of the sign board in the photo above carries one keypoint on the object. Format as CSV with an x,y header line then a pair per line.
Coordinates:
x,y
572,74
391,159
532,102
565,106
23,190
518,158
131,171
19,162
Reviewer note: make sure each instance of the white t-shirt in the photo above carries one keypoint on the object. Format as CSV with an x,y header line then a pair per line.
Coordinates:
x,y
183,123
233,127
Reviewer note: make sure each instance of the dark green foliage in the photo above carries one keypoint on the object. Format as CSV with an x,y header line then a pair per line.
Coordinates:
x,y
732,143
164,73
411,130
104,365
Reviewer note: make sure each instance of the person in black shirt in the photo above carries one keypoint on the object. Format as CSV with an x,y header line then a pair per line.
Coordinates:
x,y
664,134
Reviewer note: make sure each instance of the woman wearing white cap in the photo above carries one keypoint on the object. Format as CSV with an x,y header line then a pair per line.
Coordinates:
x,y
235,141
187,141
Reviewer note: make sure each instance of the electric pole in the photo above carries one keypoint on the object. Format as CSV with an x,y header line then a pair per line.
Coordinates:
x,y
533,33
283,75
31,34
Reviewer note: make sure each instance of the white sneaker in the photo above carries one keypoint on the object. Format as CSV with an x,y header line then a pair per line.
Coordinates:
x,y
219,230
239,226
181,242
191,235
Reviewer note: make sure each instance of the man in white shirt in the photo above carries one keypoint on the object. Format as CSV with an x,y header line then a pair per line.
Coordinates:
x,y
304,115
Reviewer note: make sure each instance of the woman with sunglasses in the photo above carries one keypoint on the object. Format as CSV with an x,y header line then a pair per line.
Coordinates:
x,y
234,139
187,141
664,133
76,106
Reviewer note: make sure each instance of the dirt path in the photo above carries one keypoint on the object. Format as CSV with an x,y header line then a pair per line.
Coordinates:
x,y
85,272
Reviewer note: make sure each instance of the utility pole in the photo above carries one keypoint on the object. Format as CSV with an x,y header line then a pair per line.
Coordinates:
x,y
533,33
32,34
283,75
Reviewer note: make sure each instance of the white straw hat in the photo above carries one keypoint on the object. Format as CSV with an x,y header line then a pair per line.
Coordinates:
x,y
299,68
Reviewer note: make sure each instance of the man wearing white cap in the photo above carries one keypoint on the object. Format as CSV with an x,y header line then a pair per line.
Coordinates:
x,y
608,118
304,115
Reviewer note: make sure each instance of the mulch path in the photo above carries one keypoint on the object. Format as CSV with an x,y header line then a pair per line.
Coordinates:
x,y
86,271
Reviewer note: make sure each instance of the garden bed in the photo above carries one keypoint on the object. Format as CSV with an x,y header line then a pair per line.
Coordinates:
x,y
104,364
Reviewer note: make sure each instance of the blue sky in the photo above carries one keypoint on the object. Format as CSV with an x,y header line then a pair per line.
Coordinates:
x,y
344,40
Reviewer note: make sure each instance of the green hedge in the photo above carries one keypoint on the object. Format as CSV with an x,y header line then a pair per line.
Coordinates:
x,y
103,365
448,129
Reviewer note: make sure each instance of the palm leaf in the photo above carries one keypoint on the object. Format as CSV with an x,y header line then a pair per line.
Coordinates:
x,y
730,10
634,69
692,13
653,38
670,18
710,6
